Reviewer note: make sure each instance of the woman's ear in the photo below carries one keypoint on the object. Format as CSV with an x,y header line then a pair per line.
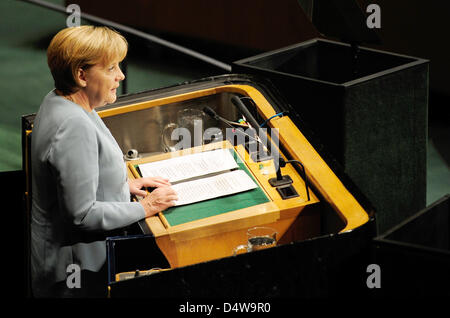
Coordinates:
x,y
81,77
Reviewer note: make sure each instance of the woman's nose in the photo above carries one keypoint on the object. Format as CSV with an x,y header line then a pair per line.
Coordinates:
x,y
120,76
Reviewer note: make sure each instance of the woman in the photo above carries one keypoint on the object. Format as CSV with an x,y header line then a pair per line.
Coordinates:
x,y
79,181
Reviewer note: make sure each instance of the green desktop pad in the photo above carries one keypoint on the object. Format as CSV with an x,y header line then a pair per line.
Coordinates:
x,y
199,210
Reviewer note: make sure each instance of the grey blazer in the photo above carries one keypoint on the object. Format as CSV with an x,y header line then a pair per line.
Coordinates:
x,y
79,191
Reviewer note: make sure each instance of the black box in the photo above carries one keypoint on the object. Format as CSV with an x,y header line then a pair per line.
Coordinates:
x,y
414,256
369,110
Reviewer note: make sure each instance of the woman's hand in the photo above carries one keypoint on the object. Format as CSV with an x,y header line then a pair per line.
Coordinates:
x,y
158,200
136,185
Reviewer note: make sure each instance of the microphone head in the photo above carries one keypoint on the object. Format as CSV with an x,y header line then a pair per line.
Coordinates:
x,y
209,111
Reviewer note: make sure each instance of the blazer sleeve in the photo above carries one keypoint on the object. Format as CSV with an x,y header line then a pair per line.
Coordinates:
x,y
73,157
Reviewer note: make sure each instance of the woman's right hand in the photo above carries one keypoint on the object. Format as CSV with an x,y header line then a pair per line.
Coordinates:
x,y
159,200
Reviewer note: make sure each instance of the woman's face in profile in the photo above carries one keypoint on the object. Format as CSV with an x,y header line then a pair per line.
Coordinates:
x,y
102,81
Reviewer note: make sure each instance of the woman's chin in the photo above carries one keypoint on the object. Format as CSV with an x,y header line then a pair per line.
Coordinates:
x,y
112,98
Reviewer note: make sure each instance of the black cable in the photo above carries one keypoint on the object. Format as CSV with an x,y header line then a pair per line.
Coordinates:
x,y
304,175
280,114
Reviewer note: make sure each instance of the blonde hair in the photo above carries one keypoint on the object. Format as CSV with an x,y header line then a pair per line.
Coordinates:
x,y
82,47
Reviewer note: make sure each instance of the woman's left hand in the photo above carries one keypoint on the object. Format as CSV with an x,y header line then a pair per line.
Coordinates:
x,y
136,185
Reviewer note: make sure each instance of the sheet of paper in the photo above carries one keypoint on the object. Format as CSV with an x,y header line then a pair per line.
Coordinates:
x,y
189,166
212,187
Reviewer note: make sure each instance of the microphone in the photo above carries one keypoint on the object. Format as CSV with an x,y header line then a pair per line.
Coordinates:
x,y
210,112
280,179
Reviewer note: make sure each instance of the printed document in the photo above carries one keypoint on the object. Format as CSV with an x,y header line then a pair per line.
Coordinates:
x,y
213,187
201,176
190,166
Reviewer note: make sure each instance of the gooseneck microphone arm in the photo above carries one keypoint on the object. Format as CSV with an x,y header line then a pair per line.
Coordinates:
x,y
280,179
